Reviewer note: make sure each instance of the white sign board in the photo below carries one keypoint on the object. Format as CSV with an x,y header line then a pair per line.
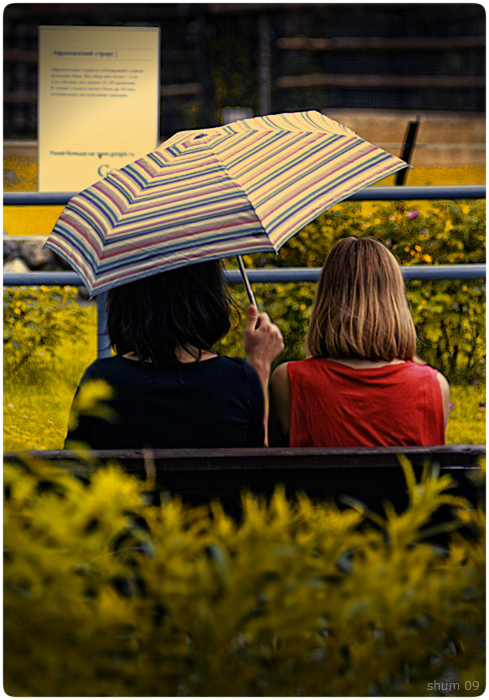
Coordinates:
x,y
98,102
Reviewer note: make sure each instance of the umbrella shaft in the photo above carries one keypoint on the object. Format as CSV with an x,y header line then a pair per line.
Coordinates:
x,y
246,282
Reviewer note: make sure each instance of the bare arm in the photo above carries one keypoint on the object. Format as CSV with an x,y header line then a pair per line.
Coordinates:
x,y
445,389
279,420
263,342
445,395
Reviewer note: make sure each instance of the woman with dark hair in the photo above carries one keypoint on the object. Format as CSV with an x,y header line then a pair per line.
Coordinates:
x,y
361,383
165,387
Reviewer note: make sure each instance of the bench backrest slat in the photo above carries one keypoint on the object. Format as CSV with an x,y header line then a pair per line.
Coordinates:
x,y
273,458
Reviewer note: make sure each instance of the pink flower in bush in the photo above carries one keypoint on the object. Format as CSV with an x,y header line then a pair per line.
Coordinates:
x,y
412,214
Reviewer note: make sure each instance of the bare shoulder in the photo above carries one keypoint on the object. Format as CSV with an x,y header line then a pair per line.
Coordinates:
x,y
445,395
445,386
279,382
279,402
280,373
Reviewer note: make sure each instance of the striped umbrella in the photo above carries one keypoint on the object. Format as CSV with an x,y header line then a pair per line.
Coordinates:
x,y
236,189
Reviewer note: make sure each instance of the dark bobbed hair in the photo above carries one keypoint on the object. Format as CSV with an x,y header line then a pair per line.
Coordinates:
x,y
188,307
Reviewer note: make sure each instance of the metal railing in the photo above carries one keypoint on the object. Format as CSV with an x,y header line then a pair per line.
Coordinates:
x,y
264,275
369,194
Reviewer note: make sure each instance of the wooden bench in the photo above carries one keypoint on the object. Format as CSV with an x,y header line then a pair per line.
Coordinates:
x,y
369,475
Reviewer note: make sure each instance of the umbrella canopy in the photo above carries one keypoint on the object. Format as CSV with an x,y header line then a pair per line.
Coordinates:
x,y
236,189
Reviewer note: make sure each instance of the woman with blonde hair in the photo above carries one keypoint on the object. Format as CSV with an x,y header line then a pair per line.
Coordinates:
x,y
361,383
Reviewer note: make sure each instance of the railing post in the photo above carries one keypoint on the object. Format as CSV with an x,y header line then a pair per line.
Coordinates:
x,y
103,342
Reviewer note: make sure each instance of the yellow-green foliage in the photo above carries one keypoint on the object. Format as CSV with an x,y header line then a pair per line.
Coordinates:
x,y
467,422
105,595
34,321
37,395
449,315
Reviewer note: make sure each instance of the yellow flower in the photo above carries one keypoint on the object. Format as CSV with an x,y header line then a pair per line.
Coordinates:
x,y
418,248
427,258
448,226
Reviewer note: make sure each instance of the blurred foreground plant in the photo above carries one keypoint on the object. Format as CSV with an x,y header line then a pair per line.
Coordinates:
x,y
105,595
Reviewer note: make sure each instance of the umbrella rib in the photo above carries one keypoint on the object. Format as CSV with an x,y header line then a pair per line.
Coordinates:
x,y
332,183
247,242
339,149
250,155
203,235
60,245
94,200
272,225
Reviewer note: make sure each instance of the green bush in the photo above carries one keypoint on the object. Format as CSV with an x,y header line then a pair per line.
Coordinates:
x,y
105,595
449,315
37,396
35,321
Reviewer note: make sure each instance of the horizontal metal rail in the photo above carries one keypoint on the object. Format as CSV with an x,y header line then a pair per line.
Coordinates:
x,y
399,193
263,275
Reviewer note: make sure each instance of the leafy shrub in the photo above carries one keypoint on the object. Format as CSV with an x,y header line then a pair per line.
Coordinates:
x,y
37,396
36,320
105,595
449,315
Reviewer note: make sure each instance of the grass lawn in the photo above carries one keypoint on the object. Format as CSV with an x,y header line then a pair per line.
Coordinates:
x,y
37,400
467,423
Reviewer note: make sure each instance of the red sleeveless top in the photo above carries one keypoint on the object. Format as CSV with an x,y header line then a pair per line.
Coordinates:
x,y
333,405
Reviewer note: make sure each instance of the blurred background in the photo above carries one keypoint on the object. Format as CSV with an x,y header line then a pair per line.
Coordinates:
x,y
373,67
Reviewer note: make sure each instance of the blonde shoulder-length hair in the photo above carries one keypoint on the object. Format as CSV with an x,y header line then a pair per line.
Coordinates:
x,y
360,309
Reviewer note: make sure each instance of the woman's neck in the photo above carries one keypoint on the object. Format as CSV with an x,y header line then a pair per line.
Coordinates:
x,y
182,355
356,363
192,354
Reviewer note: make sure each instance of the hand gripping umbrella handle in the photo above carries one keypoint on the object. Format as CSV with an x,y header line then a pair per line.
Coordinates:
x,y
246,282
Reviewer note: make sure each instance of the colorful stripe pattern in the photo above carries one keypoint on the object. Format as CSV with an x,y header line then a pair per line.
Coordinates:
x,y
231,190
